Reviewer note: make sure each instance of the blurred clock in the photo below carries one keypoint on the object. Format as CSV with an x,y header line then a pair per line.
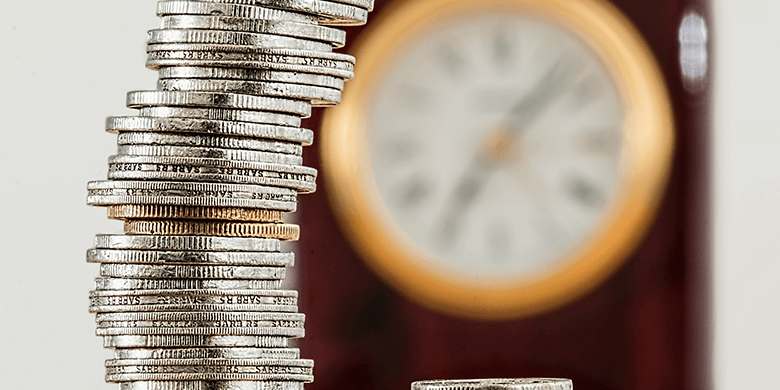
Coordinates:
x,y
499,158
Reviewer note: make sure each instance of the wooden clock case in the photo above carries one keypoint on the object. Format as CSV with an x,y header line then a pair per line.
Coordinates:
x,y
646,328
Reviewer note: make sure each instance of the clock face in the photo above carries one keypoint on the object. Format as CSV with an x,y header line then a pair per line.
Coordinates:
x,y
498,158
495,144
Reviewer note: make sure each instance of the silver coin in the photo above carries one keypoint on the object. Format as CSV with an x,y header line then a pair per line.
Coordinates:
x,y
334,36
296,172
111,284
287,324
173,341
367,4
95,198
123,374
312,58
323,66
138,99
223,114
211,153
119,301
211,170
209,353
210,127
170,196
212,385
277,259
187,321
226,41
195,330
234,191
190,271
495,384
227,297
113,192
319,96
249,369
253,296
281,363
143,138
179,7
187,243
229,320
194,72
216,307
328,12
174,46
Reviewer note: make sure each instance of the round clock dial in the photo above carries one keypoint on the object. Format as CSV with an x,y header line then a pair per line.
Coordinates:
x,y
495,145
498,158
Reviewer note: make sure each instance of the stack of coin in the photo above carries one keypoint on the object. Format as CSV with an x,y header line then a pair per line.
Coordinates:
x,y
190,296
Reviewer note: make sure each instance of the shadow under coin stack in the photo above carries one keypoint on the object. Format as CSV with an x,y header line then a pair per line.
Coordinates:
x,y
189,297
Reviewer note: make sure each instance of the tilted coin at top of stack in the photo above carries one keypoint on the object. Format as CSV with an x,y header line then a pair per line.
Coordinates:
x,y
190,295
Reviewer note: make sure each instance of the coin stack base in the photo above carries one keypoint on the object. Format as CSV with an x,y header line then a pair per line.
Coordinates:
x,y
190,297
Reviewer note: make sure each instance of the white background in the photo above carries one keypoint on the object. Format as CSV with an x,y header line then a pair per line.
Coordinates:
x,y
65,66
746,194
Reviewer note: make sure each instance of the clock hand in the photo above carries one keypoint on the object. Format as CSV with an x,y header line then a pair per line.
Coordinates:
x,y
468,188
522,115
497,148
551,86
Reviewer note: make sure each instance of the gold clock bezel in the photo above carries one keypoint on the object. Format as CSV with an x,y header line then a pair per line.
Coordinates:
x,y
648,143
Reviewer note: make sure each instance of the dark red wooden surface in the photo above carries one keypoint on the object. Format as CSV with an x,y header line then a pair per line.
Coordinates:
x,y
645,328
